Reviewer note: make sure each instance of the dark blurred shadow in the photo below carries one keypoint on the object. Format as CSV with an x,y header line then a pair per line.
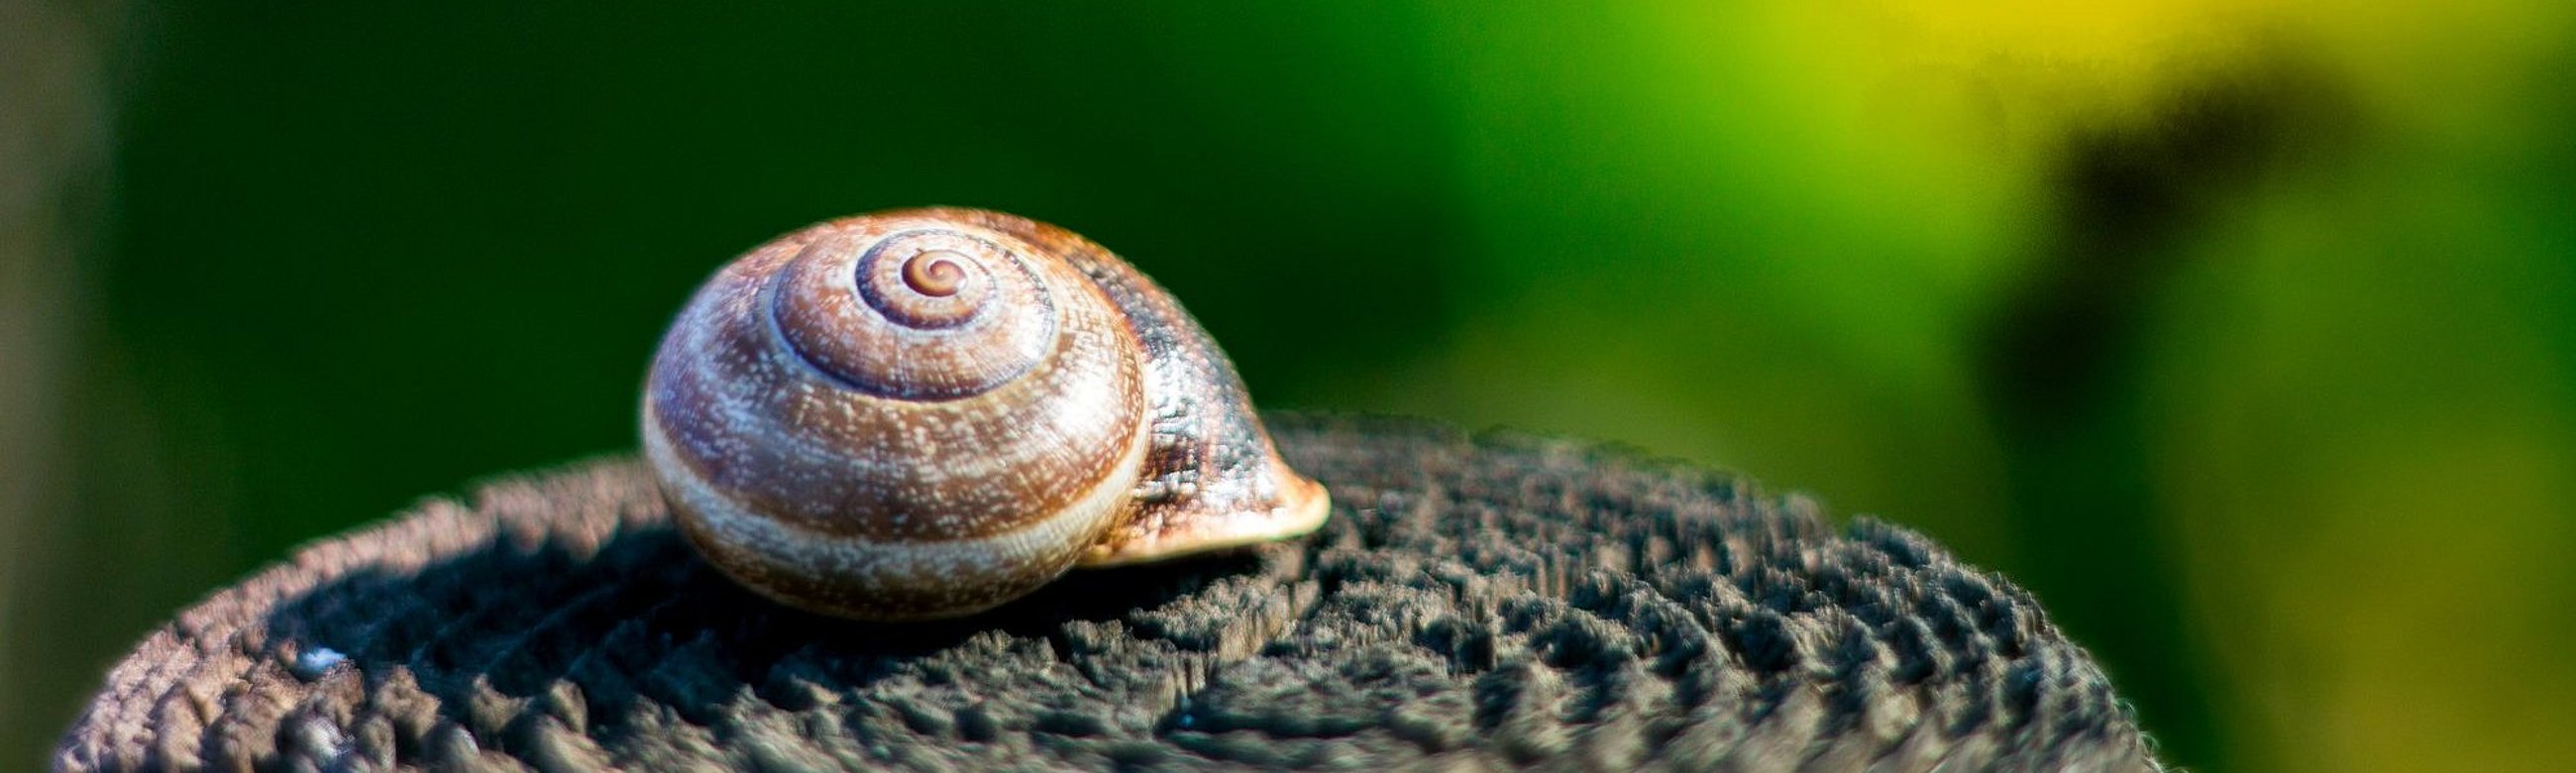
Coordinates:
x,y
2064,367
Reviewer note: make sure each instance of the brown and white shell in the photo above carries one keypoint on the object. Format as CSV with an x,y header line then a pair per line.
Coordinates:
x,y
926,413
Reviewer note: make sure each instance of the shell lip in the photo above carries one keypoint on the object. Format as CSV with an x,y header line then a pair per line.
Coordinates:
x,y
1303,506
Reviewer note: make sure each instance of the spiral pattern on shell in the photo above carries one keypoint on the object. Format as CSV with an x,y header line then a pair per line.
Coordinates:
x,y
936,313
922,413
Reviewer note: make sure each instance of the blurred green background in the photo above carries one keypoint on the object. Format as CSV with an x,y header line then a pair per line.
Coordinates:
x,y
2242,333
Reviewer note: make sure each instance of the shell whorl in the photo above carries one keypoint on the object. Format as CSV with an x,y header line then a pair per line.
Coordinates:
x,y
926,413
896,416
924,313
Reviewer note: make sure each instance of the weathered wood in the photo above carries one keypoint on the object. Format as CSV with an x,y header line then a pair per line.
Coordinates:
x,y
1494,602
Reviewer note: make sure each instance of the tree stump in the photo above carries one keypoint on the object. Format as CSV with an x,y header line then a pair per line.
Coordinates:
x,y
1493,602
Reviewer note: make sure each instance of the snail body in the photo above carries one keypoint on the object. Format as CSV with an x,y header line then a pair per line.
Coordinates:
x,y
926,413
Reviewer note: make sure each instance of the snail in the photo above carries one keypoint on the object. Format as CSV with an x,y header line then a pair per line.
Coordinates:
x,y
927,413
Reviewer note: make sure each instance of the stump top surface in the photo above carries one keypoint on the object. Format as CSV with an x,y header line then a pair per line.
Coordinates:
x,y
1489,602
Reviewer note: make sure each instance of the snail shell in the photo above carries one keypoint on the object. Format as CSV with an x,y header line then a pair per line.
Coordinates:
x,y
926,413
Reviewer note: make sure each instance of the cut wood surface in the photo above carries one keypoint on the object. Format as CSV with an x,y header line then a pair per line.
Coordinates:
x,y
1495,602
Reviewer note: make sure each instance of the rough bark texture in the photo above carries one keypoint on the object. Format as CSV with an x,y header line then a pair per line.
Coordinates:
x,y
1496,602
